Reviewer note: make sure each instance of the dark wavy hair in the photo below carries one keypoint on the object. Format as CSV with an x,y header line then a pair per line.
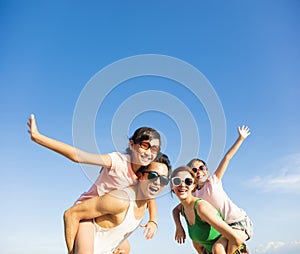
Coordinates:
x,y
143,133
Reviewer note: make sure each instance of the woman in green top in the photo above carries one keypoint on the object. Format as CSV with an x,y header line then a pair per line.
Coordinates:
x,y
204,223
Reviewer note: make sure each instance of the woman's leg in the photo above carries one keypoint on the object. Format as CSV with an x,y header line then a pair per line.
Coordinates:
x,y
84,242
123,248
220,246
199,248
76,225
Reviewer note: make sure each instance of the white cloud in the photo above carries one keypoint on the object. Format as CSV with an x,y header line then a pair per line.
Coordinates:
x,y
285,176
279,247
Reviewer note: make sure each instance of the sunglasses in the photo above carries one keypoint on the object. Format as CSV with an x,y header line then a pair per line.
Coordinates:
x,y
153,176
146,145
202,168
176,181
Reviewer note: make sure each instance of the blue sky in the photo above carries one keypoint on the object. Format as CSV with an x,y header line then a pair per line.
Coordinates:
x,y
249,52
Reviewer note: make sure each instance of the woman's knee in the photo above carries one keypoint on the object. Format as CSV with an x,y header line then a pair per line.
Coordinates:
x,y
125,246
71,214
67,214
219,248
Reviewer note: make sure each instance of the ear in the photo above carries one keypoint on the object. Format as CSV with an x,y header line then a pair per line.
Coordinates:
x,y
131,144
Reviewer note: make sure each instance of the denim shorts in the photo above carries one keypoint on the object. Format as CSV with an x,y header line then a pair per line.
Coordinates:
x,y
245,225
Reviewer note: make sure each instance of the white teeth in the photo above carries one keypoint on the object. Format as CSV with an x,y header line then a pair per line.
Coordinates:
x,y
154,189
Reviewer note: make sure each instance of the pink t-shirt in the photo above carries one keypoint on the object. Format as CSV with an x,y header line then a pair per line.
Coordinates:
x,y
120,175
213,192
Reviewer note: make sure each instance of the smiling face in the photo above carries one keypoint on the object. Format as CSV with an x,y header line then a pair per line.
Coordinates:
x,y
144,152
182,183
153,180
202,172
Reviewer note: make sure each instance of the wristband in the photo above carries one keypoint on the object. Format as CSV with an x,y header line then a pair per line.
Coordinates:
x,y
154,223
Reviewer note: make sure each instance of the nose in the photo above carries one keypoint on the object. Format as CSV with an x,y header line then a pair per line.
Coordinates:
x,y
182,183
148,151
157,181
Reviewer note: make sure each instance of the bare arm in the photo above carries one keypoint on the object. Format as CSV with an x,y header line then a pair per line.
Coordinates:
x,y
99,206
151,226
66,150
92,208
208,214
244,132
179,233
152,207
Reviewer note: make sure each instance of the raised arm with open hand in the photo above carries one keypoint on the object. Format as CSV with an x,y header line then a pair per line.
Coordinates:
x,y
244,132
66,150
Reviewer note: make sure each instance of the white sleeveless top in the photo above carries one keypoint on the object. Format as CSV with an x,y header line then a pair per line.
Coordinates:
x,y
106,240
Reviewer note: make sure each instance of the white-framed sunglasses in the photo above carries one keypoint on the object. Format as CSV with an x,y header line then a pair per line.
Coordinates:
x,y
177,181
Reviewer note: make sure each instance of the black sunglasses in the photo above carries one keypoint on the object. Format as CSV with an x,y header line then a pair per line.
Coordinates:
x,y
176,181
202,168
153,176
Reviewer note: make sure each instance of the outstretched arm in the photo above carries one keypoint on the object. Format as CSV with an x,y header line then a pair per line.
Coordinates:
x,y
179,233
244,132
66,150
92,208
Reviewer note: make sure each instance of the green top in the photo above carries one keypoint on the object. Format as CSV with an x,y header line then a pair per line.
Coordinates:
x,y
202,232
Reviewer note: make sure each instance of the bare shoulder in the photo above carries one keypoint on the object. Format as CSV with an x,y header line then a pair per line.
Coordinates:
x,y
203,206
118,199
